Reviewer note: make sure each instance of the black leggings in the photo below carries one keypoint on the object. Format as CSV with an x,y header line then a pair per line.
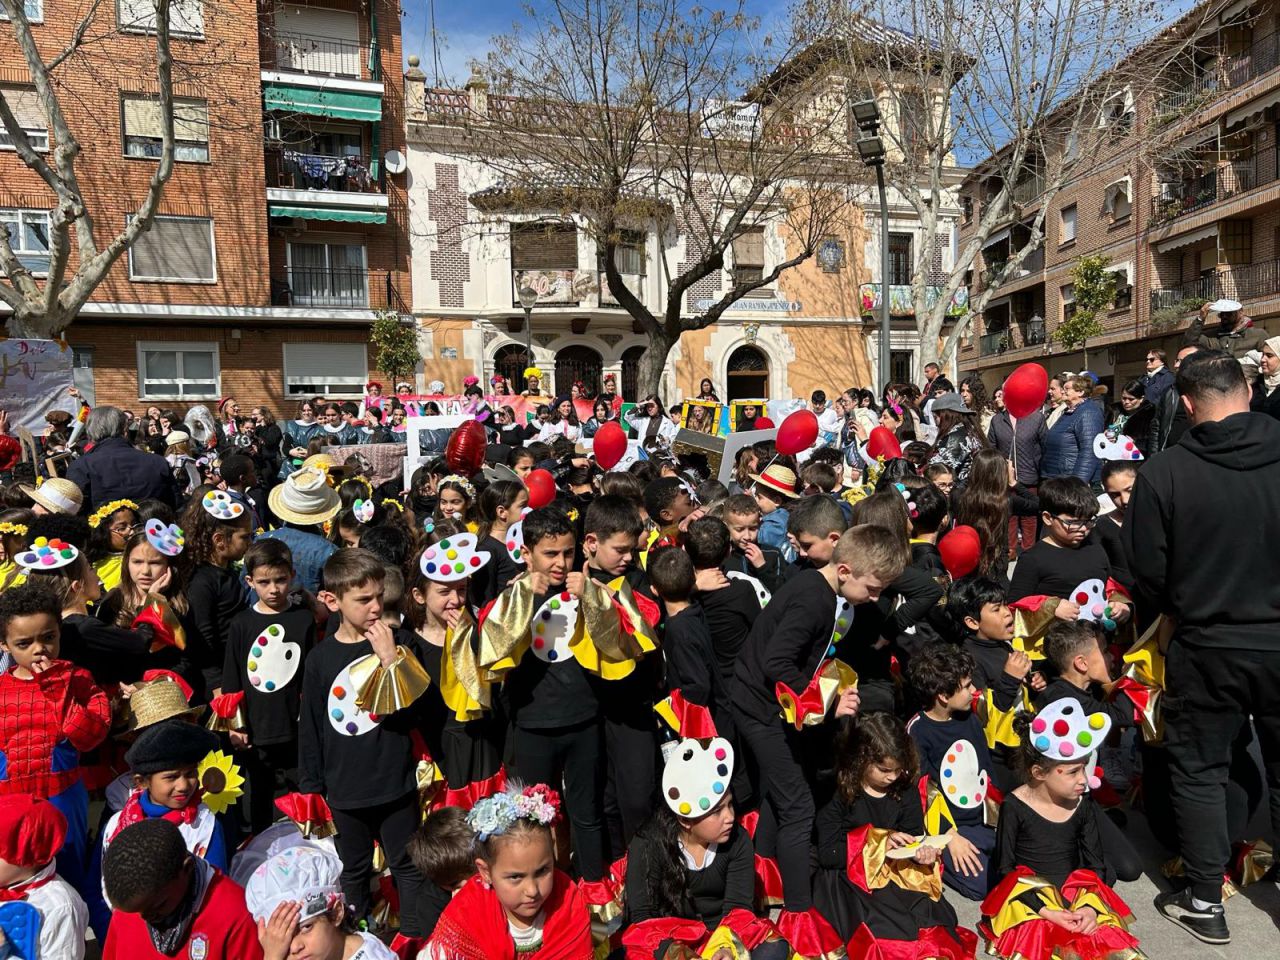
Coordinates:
x,y
392,824
262,767
631,755
569,756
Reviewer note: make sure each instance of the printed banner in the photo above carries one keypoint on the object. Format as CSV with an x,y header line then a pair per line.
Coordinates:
x,y
35,376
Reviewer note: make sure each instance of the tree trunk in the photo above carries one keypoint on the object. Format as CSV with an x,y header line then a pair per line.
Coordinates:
x,y
652,362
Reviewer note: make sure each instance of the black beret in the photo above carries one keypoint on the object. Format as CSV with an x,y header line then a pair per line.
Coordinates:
x,y
170,745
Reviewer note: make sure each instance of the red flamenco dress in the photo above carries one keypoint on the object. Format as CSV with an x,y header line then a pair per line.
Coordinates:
x,y
474,926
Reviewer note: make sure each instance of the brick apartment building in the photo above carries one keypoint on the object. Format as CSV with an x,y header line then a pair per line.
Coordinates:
x,y
1184,199
281,231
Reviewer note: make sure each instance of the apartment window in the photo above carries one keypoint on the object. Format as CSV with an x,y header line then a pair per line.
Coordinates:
x,y
1124,292
900,363
325,369
176,249
628,254
913,107
142,123
28,232
1067,225
30,116
328,275
34,9
186,17
748,256
1116,200
1117,112
82,373
178,371
966,207
901,261
1068,301
318,41
544,246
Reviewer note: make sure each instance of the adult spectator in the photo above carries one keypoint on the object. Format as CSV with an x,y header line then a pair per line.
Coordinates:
x,y
113,470
1056,400
1133,415
1266,398
1158,377
1223,596
707,391
1020,441
931,373
1170,419
958,437
1068,445
828,417
1234,333
974,394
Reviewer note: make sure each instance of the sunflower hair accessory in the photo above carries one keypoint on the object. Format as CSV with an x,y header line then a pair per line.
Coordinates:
x,y
105,511
14,529
363,510
392,504
454,558
532,372
219,505
495,815
47,554
463,482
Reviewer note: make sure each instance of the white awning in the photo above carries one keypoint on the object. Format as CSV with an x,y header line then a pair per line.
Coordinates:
x,y
996,237
1233,11
1194,139
1186,239
1122,186
1252,109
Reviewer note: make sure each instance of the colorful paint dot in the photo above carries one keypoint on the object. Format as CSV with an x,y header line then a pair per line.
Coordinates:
x,y
538,643
704,803
959,748
722,769
444,544
256,681
431,568
1042,744
273,630
963,799
977,798
717,787
511,544
1061,728
1097,721
256,651
540,628
947,773
340,693
1084,739
459,568
1066,749
1082,598
546,614
336,714
351,727
685,809
1038,725
452,554
555,604
271,685
552,655
475,561
720,753
253,664
951,789
431,554
566,596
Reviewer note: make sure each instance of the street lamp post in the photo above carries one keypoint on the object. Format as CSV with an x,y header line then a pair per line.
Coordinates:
x,y
866,115
528,297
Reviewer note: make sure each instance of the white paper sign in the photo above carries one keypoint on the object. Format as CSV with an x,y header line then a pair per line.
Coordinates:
x,y
34,378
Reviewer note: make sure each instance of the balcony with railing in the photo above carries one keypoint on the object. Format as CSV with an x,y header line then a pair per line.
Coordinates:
x,y
320,56
1223,75
1025,191
1033,333
993,343
293,170
1243,282
1203,191
346,288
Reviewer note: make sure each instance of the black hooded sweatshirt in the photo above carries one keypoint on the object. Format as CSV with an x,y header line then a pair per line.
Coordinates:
x,y
1200,533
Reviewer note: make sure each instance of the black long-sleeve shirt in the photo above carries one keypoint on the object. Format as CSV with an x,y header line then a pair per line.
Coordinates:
x,y
215,595
933,738
787,644
494,576
112,654
1053,571
726,883
730,612
542,695
270,706
837,818
1051,850
691,661
363,770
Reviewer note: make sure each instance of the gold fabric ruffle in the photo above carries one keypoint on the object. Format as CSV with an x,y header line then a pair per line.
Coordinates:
x,y
881,870
384,690
461,686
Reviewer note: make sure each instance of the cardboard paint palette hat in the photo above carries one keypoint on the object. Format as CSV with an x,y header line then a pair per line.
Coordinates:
x,y
762,592
219,505
1091,598
514,540
963,783
1115,446
167,538
1225,305
1064,731
696,777
46,554
453,559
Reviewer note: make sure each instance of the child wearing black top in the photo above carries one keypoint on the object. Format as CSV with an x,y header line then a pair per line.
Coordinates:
x,y
686,641
499,507
942,679
218,532
788,646
729,604
355,738
266,648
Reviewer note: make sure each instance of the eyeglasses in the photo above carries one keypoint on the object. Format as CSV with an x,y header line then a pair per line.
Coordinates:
x,y
1152,359
1073,524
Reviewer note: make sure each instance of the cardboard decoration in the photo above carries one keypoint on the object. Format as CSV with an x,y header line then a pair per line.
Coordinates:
x,y
735,442
363,510
1063,731
167,538
273,660
1115,446
762,594
962,782
345,715
553,628
696,776
939,842
691,443
453,559
219,505
1091,597
47,554
844,620
514,540
735,409
702,416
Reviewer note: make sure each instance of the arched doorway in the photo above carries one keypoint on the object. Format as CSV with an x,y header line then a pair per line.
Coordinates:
x,y
510,361
631,373
578,363
747,375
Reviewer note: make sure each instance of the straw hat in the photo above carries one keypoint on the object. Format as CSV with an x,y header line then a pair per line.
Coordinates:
x,y
305,498
176,436
777,478
158,700
57,495
321,461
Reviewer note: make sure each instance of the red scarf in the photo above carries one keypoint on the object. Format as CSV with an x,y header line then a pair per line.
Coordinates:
x,y
474,925
133,813
20,891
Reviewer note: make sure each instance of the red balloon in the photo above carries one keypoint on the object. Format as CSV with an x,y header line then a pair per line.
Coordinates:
x,y
1025,390
797,432
542,488
882,443
464,453
610,445
961,550
763,423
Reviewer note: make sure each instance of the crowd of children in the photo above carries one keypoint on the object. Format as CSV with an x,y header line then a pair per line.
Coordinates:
x,y
653,716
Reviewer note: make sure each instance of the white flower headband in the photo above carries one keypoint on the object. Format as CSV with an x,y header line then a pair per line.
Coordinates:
x,y
463,482
495,815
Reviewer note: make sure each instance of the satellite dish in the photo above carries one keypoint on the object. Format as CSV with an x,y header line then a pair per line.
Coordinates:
x,y
395,161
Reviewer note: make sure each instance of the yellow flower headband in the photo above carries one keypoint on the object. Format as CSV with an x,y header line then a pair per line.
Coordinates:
x,y
388,502
532,372
16,529
107,509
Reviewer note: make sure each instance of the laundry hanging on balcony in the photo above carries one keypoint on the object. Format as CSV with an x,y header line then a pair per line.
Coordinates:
x,y
328,213
318,102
